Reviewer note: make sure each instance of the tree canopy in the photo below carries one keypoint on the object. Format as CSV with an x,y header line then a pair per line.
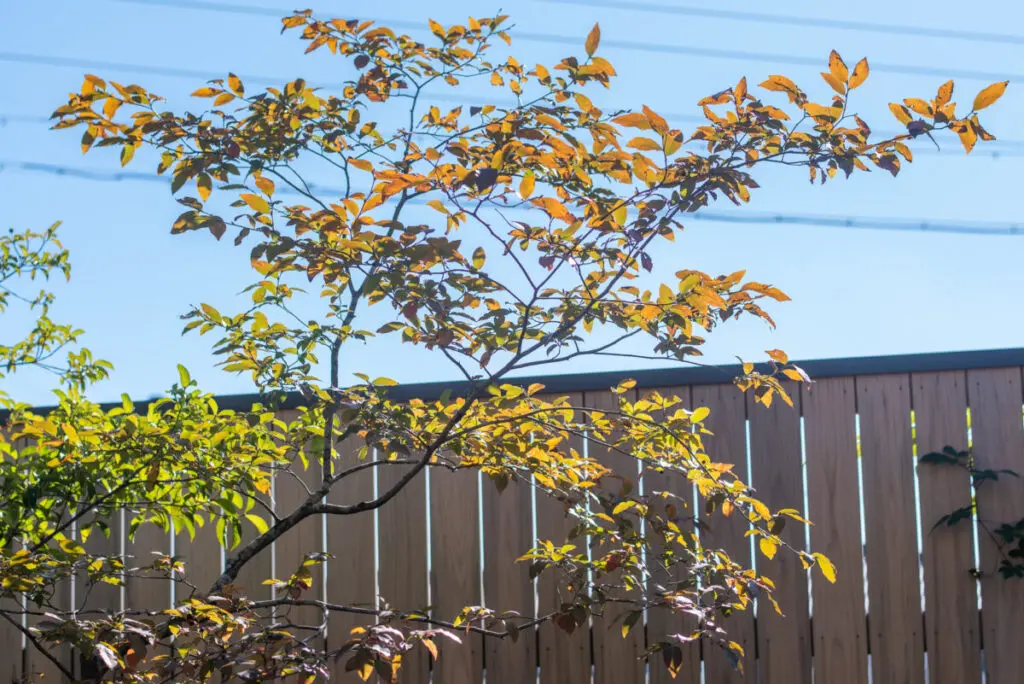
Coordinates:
x,y
549,215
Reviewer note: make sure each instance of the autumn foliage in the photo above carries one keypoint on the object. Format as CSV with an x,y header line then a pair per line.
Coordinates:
x,y
547,214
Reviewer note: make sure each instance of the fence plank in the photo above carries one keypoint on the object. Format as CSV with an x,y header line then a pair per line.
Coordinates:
x,y
783,643
998,442
564,658
616,660
508,534
36,663
951,603
148,590
663,623
894,590
455,569
351,572
728,444
290,491
403,557
201,557
839,627
10,642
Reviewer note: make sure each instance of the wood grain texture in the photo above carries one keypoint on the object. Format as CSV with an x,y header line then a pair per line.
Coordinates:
x,y
951,604
36,664
728,444
783,642
201,557
662,623
455,570
617,660
839,628
508,534
563,657
403,557
998,442
10,641
351,571
894,589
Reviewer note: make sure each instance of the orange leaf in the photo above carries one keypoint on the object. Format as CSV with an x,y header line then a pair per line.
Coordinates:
x,y
901,113
593,40
834,82
266,185
740,91
945,94
838,67
634,120
919,106
643,144
207,92
526,186
361,164
968,137
657,123
989,95
860,73
779,83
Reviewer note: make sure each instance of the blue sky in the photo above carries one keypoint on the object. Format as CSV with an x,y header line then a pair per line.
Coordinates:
x,y
855,292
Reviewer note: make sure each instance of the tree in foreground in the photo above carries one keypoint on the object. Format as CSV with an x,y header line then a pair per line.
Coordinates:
x,y
547,213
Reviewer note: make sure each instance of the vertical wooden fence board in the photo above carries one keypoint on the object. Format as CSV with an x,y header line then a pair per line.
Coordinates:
x,y
616,660
663,623
306,537
260,568
728,444
508,534
455,570
36,663
148,590
403,557
998,443
951,603
351,572
93,595
10,642
564,658
201,557
894,589
839,627
783,643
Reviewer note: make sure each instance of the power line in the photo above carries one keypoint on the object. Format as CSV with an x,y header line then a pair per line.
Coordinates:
x,y
740,217
637,46
793,20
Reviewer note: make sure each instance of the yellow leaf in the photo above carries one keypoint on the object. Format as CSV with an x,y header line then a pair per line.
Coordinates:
x,y
361,164
437,29
623,506
901,113
204,185
919,106
657,123
643,144
860,73
266,185
768,547
699,414
430,646
436,204
634,120
479,257
255,202
989,95
777,355
945,94
621,214
834,82
235,84
207,92
223,99
593,39
365,670
526,186
740,91
838,67
968,136
779,83
827,568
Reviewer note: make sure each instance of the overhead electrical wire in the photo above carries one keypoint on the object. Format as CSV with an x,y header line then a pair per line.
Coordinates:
x,y
795,20
740,217
638,46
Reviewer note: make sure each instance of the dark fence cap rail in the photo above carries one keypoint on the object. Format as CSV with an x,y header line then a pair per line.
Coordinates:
x,y
670,377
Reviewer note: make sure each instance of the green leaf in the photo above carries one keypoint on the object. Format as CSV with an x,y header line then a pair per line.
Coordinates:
x,y
259,523
183,376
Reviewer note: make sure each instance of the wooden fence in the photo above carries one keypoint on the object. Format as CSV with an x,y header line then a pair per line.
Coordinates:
x,y
905,608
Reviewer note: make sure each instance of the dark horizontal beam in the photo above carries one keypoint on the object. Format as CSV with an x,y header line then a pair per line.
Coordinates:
x,y
671,377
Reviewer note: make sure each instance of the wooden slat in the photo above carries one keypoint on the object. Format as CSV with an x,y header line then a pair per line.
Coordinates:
x,y
894,590
455,569
91,595
951,603
403,557
201,557
728,444
508,534
616,660
351,572
784,643
839,628
998,443
10,642
147,591
564,658
291,547
663,623
36,664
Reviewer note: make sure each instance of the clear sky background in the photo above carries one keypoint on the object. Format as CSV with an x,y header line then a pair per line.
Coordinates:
x,y
855,291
